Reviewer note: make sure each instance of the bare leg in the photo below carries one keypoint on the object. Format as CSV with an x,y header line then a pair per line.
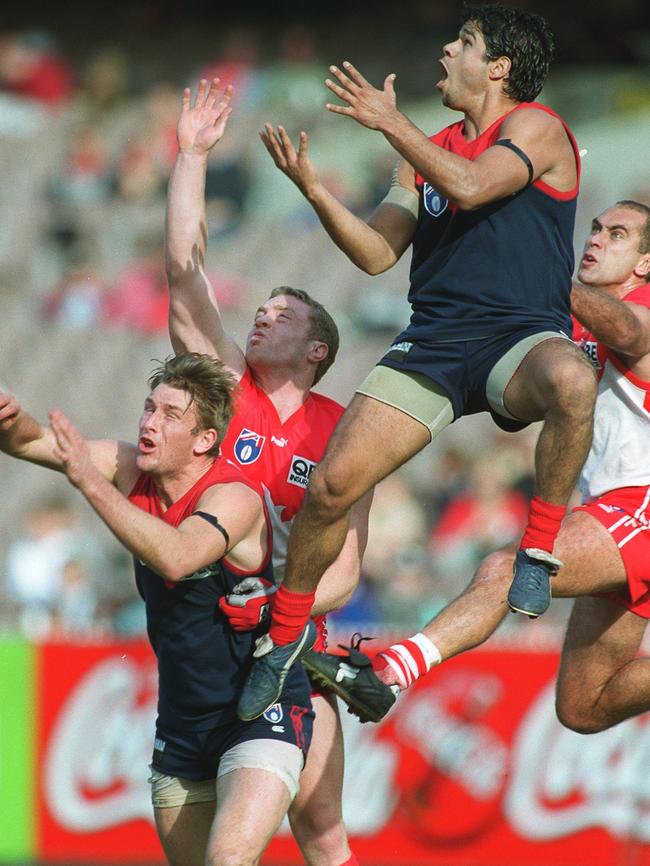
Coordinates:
x,y
601,682
316,815
184,831
371,441
592,564
251,806
556,382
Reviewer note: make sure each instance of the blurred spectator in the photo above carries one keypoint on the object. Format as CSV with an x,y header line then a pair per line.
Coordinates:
x,y
78,300
488,515
294,82
31,67
38,564
105,83
139,300
412,596
85,176
238,63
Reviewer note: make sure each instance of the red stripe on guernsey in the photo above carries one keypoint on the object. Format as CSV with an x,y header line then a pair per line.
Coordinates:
x,y
629,375
297,714
473,149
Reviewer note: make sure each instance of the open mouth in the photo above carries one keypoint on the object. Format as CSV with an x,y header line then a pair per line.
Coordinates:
x,y
588,259
445,73
145,444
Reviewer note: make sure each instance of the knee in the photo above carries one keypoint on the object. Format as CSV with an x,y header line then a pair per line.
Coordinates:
x,y
495,570
329,492
324,823
320,831
577,716
572,386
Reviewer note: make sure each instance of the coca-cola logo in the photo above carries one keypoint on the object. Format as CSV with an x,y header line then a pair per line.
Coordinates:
x,y
96,764
564,782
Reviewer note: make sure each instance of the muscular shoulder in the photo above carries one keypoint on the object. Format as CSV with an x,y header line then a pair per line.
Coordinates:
x,y
533,121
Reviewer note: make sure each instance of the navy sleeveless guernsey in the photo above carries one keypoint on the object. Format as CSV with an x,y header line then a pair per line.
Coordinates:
x,y
202,662
505,266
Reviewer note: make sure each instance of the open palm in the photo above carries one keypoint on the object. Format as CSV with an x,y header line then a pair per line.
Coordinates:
x,y
201,125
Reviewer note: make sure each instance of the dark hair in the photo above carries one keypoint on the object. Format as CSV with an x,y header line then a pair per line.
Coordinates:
x,y
523,37
209,385
323,327
644,243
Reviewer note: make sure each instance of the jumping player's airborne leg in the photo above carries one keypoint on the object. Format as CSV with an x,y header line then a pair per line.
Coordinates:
x,y
371,441
554,382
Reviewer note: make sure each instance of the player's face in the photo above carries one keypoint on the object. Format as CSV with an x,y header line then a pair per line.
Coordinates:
x,y
611,252
280,334
167,431
464,68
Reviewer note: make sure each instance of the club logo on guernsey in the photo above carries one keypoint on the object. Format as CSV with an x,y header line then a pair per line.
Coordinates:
x,y
301,469
434,202
248,446
274,714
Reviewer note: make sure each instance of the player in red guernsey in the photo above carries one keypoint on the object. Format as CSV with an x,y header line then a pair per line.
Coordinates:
x,y
277,436
604,543
195,526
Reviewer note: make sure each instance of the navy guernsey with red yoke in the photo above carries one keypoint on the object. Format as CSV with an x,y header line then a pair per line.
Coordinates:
x,y
503,267
202,662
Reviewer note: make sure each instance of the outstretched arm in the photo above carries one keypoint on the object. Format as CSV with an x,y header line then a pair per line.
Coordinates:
x,y
621,325
24,437
194,319
495,174
172,552
373,246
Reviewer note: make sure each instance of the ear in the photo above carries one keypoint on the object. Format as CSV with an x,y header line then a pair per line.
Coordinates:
x,y
206,440
642,267
317,352
499,69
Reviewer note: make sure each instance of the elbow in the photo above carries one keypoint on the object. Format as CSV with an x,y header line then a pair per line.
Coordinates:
x,y
373,268
173,572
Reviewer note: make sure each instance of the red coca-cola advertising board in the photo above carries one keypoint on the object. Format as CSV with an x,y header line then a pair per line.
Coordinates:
x,y
470,768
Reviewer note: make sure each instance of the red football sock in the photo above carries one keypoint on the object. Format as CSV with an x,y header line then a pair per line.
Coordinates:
x,y
409,659
289,614
544,522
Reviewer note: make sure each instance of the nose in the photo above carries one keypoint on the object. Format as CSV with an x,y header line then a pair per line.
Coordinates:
x,y
450,48
149,420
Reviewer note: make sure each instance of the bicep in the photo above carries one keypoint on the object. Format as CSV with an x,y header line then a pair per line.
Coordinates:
x,y
233,510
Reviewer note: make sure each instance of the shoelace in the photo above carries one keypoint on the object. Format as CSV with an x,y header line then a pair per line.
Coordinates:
x,y
355,642
534,576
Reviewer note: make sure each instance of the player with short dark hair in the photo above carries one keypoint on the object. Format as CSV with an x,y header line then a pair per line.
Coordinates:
x,y
604,543
196,526
488,205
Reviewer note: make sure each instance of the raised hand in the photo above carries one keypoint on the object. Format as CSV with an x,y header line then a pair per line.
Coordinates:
x,y
366,104
71,449
201,125
294,163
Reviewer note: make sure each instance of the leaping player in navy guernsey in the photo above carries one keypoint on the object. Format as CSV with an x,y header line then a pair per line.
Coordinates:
x,y
196,527
488,206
